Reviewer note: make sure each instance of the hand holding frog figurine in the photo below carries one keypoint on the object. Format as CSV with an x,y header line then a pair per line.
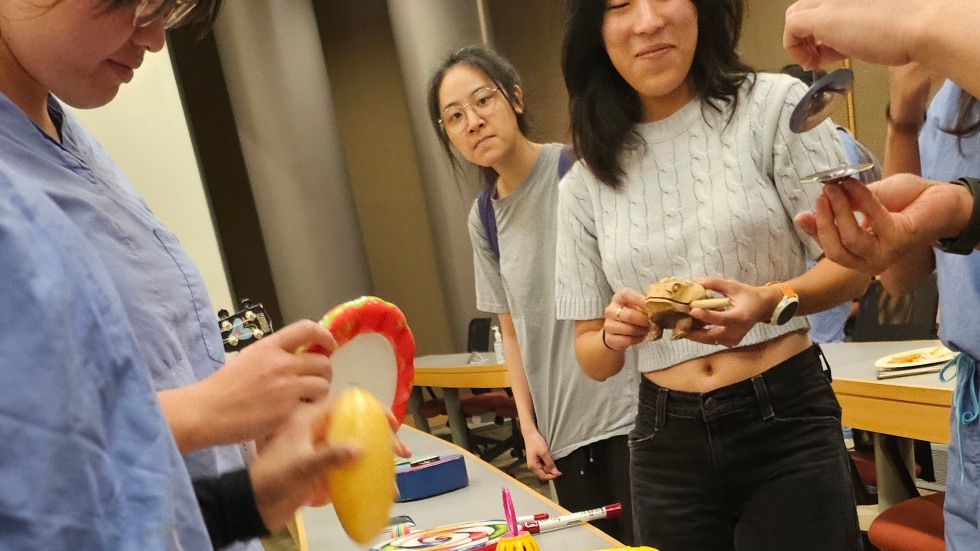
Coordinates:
x,y
669,303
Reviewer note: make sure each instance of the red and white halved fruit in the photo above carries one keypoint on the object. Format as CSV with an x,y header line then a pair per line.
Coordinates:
x,y
375,350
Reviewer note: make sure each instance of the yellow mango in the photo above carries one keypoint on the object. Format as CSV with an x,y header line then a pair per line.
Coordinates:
x,y
364,491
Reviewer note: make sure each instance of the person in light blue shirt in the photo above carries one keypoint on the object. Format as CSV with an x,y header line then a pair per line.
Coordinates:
x,y
88,461
947,146
81,52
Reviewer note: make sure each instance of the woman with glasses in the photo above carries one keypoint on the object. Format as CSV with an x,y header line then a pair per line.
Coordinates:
x,y
689,170
574,428
80,52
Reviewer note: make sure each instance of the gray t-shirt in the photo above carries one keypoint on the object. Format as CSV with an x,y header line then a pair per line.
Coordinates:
x,y
571,409
705,197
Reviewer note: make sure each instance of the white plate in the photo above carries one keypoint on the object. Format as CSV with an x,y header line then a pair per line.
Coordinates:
x,y
914,358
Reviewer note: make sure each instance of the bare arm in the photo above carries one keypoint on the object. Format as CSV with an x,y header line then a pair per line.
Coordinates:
x,y
908,96
940,34
826,285
902,213
538,455
821,287
252,394
600,344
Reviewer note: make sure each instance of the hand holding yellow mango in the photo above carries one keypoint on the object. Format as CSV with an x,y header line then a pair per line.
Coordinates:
x,y
364,491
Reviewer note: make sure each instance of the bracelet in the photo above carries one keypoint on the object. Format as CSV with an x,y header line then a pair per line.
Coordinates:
x,y
604,341
910,127
967,240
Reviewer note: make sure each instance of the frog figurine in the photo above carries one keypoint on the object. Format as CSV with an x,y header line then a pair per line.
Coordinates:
x,y
669,303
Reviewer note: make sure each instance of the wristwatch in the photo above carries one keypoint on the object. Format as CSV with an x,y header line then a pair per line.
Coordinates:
x,y
787,306
966,241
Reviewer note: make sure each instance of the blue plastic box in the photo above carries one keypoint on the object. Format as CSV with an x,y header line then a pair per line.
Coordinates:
x,y
430,476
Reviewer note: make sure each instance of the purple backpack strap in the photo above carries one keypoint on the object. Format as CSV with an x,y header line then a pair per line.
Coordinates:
x,y
565,160
484,207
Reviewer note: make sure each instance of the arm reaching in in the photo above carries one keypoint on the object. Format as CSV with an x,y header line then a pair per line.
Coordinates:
x,y
940,34
823,286
903,213
252,394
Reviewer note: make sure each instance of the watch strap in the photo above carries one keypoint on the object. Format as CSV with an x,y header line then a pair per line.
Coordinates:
x,y
967,240
790,300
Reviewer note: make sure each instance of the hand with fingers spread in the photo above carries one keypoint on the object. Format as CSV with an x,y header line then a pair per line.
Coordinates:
x,y
749,306
256,391
902,213
626,322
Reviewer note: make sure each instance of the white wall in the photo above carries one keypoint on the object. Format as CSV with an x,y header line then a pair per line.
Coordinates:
x,y
145,131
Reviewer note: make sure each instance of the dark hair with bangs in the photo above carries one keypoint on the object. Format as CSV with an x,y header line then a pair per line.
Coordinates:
x,y
604,108
503,75
201,17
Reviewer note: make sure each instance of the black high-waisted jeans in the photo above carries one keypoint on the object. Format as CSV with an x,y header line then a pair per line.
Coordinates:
x,y
754,466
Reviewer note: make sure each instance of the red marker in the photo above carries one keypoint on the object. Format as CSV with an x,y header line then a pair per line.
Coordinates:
x,y
564,521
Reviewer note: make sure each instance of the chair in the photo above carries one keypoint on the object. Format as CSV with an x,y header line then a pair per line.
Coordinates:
x,y
909,316
482,401
912,525
885,317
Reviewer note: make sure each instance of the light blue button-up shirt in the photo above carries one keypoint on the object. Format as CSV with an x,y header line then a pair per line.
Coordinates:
x,y
88,460
162,292
946,157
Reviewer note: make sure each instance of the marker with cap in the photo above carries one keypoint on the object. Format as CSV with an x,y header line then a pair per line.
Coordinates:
x,y
564,521
529,518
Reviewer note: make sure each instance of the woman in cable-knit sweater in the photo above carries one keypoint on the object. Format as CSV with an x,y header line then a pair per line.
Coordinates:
x,y
689,169
574,428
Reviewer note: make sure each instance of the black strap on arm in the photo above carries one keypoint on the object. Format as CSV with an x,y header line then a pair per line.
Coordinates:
x,y
228,507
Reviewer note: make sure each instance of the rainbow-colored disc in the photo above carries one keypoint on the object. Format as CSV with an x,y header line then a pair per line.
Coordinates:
x,y
468,536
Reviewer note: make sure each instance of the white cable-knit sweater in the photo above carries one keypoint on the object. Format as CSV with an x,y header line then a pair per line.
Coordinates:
x,y
703,198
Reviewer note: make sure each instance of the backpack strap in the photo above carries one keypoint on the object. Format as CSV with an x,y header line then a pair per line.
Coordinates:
x,y
484,207
484,204
565,160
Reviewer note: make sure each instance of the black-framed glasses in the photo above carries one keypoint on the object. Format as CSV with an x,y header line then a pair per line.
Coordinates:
x,y
482,102
173,12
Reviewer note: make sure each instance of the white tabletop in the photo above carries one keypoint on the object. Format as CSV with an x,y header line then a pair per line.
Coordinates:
x,y
480,500
456,360
855,360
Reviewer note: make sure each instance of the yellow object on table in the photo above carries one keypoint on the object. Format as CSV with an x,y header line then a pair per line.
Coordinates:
x,y
522,542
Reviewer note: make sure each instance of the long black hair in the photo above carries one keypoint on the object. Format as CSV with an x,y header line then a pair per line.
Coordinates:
x,y
503,75
604,108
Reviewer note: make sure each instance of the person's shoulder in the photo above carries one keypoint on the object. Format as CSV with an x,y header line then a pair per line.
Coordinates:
x,y
776,86
578,178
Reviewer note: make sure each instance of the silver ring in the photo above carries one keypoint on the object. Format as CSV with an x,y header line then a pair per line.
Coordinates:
x,y
618,310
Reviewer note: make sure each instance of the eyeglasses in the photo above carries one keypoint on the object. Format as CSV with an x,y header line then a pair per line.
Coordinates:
x,y
173,12
484,100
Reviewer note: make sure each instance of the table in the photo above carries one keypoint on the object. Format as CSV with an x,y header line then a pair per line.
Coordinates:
x,y
912,408
479,501
452,372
